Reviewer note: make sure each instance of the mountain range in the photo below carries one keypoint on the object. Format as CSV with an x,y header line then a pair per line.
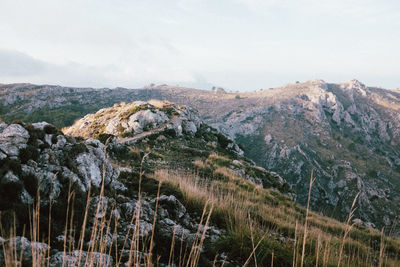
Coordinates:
x,y
347,136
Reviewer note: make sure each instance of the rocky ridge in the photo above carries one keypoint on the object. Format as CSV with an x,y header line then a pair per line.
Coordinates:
x,y
41,166
157,125
348,133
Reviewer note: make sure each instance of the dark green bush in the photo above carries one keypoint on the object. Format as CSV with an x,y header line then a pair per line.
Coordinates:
x,y
50,129
30,152
54,139
239,248
34,134
17,122
31,183
77,149
223,140
170,133
8,164
103,137
9,192
127,134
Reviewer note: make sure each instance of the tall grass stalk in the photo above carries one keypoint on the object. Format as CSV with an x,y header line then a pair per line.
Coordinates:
x,y
312,179
349,226
382,248
295,246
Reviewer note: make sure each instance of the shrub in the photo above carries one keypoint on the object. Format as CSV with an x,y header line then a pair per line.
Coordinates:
x,y
103,137
169,110
31,183
10,164
398,168
17,122
9,192
77,149
34,134
220,161
351,146
372,173
54,139
223,140
50,129
30,152
127,134
209,137
170,133
72,152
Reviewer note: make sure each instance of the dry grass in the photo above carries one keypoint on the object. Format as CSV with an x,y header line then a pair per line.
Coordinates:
x,y
255,219
140,248
321,241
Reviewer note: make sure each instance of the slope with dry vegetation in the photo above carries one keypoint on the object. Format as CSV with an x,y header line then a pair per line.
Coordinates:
x,y
181,196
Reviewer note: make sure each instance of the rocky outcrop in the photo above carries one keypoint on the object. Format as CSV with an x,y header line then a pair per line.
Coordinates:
x,y
131,119
45,171
38,155
139,120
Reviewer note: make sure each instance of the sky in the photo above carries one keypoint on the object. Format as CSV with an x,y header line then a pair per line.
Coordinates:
x,y
242,45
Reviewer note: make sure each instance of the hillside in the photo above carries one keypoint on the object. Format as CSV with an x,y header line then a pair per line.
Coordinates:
x,y
151,182
347,133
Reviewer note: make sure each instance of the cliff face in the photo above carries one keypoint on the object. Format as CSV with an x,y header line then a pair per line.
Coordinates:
x,y
347,133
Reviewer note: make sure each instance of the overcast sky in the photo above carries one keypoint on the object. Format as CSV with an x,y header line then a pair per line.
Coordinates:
x,y
236,44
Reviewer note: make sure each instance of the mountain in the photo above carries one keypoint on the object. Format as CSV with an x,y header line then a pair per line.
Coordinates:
x,y
112,187
150,183
348,134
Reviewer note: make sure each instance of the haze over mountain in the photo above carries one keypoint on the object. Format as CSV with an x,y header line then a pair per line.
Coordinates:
x,y
347,133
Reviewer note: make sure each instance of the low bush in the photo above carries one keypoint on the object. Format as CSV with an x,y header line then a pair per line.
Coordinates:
x,y
50,129
30,152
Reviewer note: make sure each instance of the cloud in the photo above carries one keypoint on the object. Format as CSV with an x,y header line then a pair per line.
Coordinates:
x,y
14,63
16,66
356,9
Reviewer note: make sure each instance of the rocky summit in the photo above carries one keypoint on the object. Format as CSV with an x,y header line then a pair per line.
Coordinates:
x,y
210,171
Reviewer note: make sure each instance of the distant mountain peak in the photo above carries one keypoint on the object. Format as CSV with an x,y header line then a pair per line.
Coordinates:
x,y
354,83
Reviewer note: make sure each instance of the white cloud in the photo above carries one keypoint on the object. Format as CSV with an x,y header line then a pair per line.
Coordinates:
x,y
17,64
19,67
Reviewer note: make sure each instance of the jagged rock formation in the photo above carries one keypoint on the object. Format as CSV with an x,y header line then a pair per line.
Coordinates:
x,y
348,133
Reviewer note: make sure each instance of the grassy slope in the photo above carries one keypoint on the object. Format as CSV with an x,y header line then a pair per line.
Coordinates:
x,y
255,215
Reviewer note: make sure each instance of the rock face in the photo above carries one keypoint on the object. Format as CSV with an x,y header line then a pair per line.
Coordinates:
x,y
12,139
38,156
